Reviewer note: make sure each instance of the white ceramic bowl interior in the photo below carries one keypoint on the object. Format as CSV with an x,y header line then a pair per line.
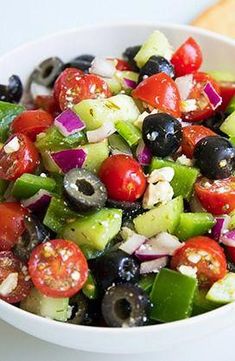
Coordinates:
x,y
219,54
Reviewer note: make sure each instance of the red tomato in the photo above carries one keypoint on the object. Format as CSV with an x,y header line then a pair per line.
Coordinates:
x,y
67,79
9,264
188,58
47,103
211,264
191,136
227,92
31,123
58,268
11,224
204,109
123,65
24,160
217,197
123,177
161,92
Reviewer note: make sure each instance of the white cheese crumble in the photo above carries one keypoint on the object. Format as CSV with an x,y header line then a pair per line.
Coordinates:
x,y
185,161
188,271
162,174
188,105
162,192
194,257
103,67
9,284
12,146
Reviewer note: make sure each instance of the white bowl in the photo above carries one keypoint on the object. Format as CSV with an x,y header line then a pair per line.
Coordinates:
x,y
219,54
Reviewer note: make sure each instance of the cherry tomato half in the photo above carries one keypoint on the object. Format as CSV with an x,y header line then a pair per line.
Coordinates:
x,y
217,197
188,58
161,92
227,92
58,268
204,254
23,160
123,65
11,224
31,123
10,266
191,136
123,177
204,109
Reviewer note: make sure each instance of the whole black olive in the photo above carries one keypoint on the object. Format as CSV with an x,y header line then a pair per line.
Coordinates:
x,y
125,305
13,91
215,157
79,306
34,234
84,190
156,64
130,209
115,267
162,133
129,55
82,62
214,123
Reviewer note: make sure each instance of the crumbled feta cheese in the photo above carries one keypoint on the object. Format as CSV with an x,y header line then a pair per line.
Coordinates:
x,y
12,146
43,175
126,233
75,275
188,105
9,284
188,271
162,192
184,160
194,257
162,174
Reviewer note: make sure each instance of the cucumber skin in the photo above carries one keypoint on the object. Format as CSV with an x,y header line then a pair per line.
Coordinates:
x,y
223,291
228,126
96,154
194,224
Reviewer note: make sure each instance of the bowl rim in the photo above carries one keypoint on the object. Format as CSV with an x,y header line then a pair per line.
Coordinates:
x,y
30,317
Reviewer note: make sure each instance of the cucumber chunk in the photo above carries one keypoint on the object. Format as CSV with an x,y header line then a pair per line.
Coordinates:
x,y
164,218
201,304
96,154
94,112
94,230
156,44
228,126
223,291
231,106
194,224
39,304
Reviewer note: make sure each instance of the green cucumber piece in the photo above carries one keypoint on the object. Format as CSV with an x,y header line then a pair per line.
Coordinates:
x,y
221,76
156,44
231,106
164,218
90,289
129,132
146,282
49,164
114,85
172,296
96,154
39,304
3,186
231,225
184,177
94,230
90,253
126,74
194,224
118,144
94,112
223,291
201,304
228,126
28,184
8,112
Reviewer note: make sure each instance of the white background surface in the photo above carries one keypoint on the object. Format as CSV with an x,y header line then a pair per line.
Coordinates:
x,y
24,20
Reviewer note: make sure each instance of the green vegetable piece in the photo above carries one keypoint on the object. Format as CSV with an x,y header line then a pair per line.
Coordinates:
x,y
129,132
184,177
94,230
28,184
126,74
228,126
116,142
146,282
114,85
53,140
194,224
3,186
39,304
90,289
201,304
96,154
8,112
231,106
172,296
222,75
57,214
164,218
223,291
231,225
156,44
90,253
95,112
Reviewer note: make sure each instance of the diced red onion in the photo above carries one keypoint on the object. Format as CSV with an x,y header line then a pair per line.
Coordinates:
x,y
214,98
228,239
185,85
101,133
103,67
68,123
220,227
130,83
143,154
69,159
153,266
38,201
132,243
164,244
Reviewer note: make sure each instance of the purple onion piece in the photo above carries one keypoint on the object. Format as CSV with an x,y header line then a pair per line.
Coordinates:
x,y
228,239
38,201
214,98
143,154
68,123
220,227
69,159
130,83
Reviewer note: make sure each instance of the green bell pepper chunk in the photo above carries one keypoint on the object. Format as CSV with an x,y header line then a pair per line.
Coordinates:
x,y
118,143
129,132
90,289
201,304
8,112
3,186
58,214
29,184
194,224
228,126
146,282
172,296
184,177
231,106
